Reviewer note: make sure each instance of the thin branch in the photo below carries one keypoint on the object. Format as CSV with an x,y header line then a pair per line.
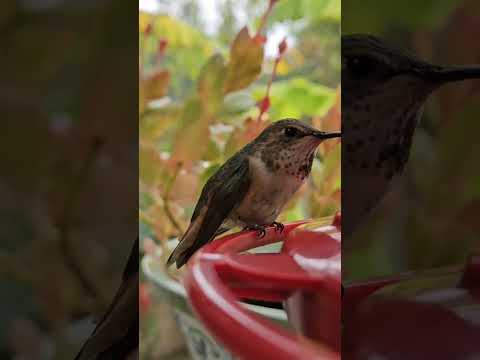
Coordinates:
x,y
266,14
264,104
166,199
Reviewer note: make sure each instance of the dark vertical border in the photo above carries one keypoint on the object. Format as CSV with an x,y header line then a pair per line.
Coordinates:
x,y
69,178
419,234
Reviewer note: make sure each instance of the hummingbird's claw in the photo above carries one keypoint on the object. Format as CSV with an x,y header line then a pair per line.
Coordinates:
x,y
278,226
261,232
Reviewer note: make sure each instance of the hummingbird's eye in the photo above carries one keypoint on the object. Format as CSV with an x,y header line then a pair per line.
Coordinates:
x,y
360,65
291,131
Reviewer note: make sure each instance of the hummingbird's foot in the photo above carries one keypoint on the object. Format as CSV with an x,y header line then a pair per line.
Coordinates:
x,y
261,232
278,226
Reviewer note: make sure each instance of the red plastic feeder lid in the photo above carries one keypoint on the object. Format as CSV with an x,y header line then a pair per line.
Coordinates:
x,y
433,314
309,267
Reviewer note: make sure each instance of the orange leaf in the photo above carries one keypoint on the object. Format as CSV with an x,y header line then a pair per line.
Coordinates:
x,y
155,84
245,64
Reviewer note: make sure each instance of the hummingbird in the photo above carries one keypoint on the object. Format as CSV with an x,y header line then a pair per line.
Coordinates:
x,y
251,188
384,90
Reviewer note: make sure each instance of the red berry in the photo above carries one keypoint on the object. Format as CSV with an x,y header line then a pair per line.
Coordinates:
x,y
282,47
144,298
264,104
148,29
260,39
162,45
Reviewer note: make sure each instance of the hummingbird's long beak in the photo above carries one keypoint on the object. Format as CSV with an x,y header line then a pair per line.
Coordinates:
x,y
451,74
326,135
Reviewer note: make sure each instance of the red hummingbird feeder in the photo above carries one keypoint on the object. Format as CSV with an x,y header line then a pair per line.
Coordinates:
x,y
432,314
305,276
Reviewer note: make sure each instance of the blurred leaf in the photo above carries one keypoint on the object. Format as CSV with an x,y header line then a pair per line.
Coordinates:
x,y
316,10
190,144
211,82
321,10
213,152
142,101
330,122
236,103
187,50
288,10
241,136
151,167
145,200
298,97
245,63
155,85
154,122
178,33
328,178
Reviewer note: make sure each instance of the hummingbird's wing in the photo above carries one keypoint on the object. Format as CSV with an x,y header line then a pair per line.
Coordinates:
x,y
225,189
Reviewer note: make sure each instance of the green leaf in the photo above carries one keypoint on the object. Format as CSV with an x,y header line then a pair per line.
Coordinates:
x,y
237,103
211,82
320,10
213,152
287,10
245,63
190,144
150,166
298,97
154,122
315,10
188,49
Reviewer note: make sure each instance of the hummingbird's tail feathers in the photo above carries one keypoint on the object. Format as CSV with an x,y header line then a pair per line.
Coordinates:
x,y
181,256
187,242
171,258
179,250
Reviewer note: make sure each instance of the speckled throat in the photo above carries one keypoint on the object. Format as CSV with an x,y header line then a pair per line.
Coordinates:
x,y
294,160
378,131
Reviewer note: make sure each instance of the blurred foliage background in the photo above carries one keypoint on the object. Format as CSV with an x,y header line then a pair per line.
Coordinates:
x,y
204,93
430,217
68,168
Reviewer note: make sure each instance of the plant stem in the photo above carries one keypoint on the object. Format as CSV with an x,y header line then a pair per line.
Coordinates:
x,y
166,199
266,14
